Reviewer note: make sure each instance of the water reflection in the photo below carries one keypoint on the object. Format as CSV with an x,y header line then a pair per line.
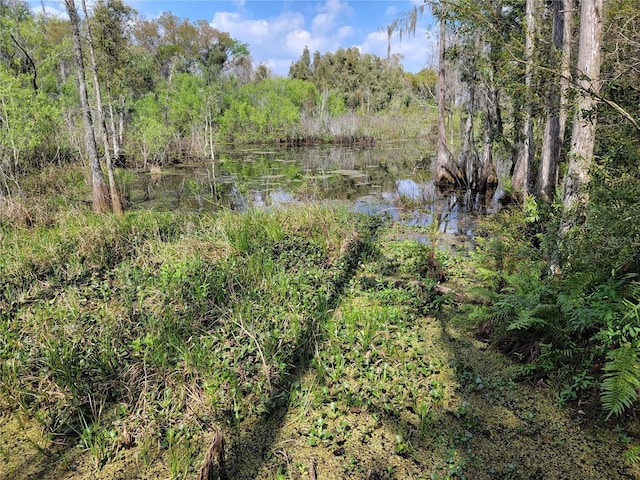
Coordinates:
x,y
387,179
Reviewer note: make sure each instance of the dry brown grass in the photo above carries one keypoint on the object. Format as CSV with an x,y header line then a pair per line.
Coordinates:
x,y
15,212
213,467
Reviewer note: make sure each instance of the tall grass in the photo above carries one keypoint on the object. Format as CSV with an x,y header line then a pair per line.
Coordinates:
x,y
357,128
152,320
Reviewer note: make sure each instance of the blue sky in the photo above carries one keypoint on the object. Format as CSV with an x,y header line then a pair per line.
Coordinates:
x,y
278,30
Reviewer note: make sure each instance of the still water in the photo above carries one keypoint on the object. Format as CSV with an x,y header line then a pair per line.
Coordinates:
x,y
394,179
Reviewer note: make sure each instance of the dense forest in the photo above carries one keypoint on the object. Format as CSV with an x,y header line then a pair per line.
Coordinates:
x,y
141,336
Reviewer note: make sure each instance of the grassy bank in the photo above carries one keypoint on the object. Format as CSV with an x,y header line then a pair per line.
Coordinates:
x,y
146,329
311,340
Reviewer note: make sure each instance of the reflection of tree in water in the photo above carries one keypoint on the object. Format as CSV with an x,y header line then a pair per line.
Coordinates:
x,y
419,203
397,157
424,192
387,176
322,159
455,210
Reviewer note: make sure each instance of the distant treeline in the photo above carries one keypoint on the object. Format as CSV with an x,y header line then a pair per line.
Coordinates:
x,y
173,88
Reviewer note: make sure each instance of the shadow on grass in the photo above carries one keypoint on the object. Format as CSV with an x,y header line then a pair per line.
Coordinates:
x,y
248,452
487,427
24,458
517,430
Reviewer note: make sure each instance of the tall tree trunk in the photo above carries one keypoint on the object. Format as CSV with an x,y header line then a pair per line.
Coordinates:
x,y
100,192
469,160
487,169
565,69
116,205
553,137
469,153
522,170
117,134
446,171
584,124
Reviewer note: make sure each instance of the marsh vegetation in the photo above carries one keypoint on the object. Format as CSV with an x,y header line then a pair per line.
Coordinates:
x,y
312,338
274,279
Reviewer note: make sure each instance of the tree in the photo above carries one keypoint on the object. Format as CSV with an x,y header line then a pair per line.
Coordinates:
x,y
478,169
522,170
585,119
364,82
423,84
100,192
149,133
123,70
14,48
116,205
301,69
554,130
266,110
446,171
30,114
262,72
482,32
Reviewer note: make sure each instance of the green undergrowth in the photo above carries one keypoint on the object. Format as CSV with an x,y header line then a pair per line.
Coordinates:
x,y
145,329
400,388
316,340
566,307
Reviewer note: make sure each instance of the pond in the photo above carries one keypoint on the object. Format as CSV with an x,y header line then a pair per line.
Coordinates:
x,y
392,178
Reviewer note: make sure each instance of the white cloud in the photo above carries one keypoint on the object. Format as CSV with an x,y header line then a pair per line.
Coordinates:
x,y
329,16
53,8
286,22
417,50
279,40
335,8
237,27
322,22
297,40
275,42
345,31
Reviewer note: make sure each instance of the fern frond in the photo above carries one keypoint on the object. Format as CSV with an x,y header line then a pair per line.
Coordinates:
x,y
524,320
488,275
482,292
621,380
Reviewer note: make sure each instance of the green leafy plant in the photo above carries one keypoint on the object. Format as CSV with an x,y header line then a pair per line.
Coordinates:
x,y
621,380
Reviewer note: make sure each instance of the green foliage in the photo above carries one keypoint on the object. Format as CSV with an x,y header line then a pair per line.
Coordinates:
x,y
610,239
266,110
423,83
120,71
114,309
30,124
621,380
562,326
301,70
184,105
362,82
150,132
171,86
632,454
178,44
